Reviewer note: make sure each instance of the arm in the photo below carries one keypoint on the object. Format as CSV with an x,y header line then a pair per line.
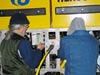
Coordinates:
x,y
30,56
61,50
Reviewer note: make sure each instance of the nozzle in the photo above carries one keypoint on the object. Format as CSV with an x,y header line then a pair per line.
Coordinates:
x,y
63,64
51,47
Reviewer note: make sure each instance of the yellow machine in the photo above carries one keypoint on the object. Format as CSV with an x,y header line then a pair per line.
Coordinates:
x,y
65,10
37,12
51,13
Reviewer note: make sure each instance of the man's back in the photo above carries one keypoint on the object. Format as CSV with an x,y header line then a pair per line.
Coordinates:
x,y
81,51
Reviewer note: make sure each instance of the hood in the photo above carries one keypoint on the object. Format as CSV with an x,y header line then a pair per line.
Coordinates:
x,y
76,24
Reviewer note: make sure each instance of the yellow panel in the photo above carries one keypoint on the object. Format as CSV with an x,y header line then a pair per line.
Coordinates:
x,y
91,20
39,22
64,20
4,23
36,21
74,2
7,4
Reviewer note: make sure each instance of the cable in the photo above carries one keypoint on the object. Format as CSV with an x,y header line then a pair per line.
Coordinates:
x,y
44,57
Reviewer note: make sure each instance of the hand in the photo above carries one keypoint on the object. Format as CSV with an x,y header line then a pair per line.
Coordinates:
x,y
41,46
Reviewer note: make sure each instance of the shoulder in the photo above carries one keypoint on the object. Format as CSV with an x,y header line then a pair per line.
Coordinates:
x,y
68,37
24,42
